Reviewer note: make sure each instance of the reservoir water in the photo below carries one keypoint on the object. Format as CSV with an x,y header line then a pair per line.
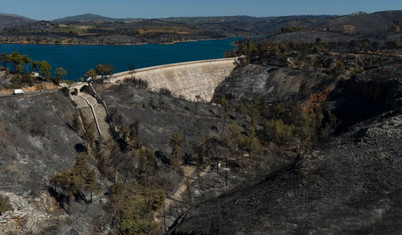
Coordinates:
x,y
78,59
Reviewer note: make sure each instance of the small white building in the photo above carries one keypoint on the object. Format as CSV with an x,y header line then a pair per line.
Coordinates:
x,y
35,74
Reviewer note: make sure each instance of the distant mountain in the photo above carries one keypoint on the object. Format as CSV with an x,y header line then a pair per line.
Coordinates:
x,y
209,19
377,22
84,18
241,18
9,21
100,29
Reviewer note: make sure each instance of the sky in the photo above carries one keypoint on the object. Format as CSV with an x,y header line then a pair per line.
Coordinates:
x,y
52,9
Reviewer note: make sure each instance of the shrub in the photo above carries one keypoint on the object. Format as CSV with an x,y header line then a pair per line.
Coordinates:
x,y
133,207
277,131
4,204
136,83
165,91
22,80
69,82
175,143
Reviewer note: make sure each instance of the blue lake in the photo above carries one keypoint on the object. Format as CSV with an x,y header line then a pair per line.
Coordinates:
x,y
77,60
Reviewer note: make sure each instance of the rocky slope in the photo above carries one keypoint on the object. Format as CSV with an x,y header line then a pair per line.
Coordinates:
x,y
159,116
348,183
36,141
35,136
156,117
350,186
270,83
365,85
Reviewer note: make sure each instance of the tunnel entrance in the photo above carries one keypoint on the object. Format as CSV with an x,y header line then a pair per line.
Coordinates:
x,y
84,88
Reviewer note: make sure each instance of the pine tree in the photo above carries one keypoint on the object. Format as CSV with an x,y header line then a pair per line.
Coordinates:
x,y
175,142
75,181
81,165
91,182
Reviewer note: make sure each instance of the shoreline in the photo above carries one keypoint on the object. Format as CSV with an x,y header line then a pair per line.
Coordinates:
x,y
121,56
117,44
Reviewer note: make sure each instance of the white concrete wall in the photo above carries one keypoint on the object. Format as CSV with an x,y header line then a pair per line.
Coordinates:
x,y
184,79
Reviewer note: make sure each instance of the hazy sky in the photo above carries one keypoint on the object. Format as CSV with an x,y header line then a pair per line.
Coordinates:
x,y
52,9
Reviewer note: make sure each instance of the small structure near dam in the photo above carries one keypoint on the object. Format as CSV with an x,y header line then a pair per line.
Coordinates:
x,y
188,80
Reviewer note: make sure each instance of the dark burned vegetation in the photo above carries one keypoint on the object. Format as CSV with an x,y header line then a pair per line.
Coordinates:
x,y
337,75
275,127
300,104
301,137
161,140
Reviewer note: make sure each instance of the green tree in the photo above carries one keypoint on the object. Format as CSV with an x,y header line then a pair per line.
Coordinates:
x,y
339,68
253,143
90,74
44,68
60,73
35,65
108,69
277,131
275,51
64,181
76,181
100,70
104,70
225,118
223,101
175,143
236,141
4,204
200,152
229,53
27,61
283,47
91,183
132,207
19,69
81,165
5,59
240,109
16,59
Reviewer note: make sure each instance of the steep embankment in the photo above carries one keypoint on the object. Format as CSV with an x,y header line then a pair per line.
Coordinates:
x,y
347,183
354,87
351,186
158,116
36,141
270,83
35,132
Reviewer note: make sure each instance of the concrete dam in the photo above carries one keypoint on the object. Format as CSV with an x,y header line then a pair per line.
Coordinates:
x,y
188,80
